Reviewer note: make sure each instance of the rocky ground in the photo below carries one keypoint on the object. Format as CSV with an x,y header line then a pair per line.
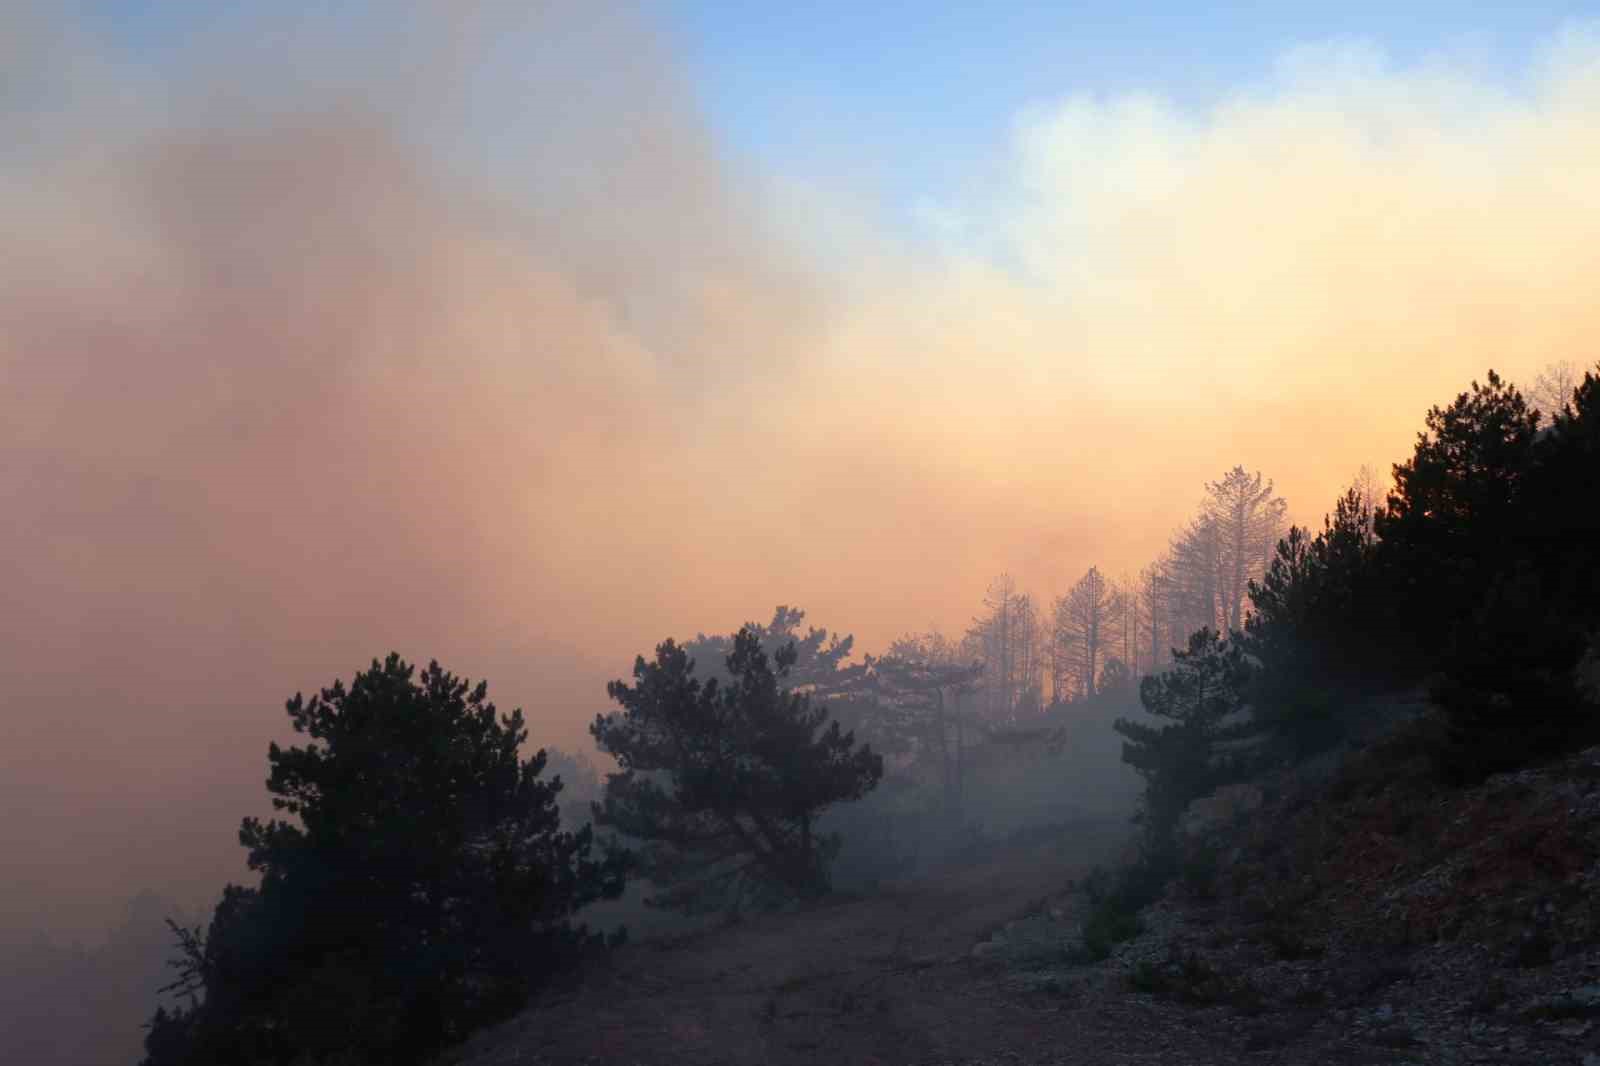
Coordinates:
x,y
1376,912
1361,914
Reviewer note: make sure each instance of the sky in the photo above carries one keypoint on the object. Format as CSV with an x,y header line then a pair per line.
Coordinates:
x,y
525,336
924,95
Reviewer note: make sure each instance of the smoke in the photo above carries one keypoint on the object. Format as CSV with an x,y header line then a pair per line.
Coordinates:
x,y
1287,279
317,349
456,331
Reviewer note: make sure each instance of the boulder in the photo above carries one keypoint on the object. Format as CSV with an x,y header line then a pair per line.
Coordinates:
x,y
1221,808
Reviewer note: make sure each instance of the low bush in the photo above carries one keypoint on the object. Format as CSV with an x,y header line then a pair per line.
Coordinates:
x,y
1115,901
1187,978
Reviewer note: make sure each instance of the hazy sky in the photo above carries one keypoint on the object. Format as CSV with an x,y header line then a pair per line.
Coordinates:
x,y
523,340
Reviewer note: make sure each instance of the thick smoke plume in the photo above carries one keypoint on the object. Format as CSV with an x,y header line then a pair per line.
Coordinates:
x,y
463,335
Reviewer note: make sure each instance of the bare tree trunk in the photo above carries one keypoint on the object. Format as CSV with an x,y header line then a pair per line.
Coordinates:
x,y
1092,654
961,744
946,769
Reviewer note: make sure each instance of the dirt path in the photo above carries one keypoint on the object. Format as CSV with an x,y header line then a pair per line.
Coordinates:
x,y
889,979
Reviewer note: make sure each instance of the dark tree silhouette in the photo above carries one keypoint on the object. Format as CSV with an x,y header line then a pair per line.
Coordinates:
x,y
1561,504
1508,688
1482,573
422,887
1508,684
1203,688
819,655
1454,513
1309,628
721,782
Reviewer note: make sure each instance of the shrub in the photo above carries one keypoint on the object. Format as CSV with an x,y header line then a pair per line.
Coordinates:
x,y
1115,901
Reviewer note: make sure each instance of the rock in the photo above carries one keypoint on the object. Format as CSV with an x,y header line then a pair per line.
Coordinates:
x,y
1396,1036
1220,808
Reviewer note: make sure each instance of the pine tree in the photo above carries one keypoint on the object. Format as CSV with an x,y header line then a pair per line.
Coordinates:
x,y
1198,695
919,686
1454,512
420,886
721,782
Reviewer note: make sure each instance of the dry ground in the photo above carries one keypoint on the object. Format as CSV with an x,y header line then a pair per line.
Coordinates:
x,y
887,979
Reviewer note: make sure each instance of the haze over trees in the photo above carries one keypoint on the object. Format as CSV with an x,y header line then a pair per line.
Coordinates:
x,y
1478,573
427,879
721,783
526,335
1083,634
1311,620
916,696
87,1005
820,656
1007,638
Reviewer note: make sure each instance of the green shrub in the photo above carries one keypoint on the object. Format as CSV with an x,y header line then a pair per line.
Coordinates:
x,y
1115,901
1109,924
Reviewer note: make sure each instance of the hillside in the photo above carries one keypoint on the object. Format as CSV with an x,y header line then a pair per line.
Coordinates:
x,y
1372,909
1360,914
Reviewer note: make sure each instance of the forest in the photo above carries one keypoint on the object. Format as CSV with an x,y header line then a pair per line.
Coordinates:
x,y
698,532
432,870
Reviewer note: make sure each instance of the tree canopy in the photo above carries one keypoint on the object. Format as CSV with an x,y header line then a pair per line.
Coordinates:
x,y
1454,510
721,781
819,655
1204,687
1481,573
420,885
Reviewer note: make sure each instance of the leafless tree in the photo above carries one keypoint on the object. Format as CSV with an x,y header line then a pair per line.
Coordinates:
x,y
1248,518
1128,621
1005,639
1028,661
1370,495
1154,633
1084,631
1192,565
1552,390
923,683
